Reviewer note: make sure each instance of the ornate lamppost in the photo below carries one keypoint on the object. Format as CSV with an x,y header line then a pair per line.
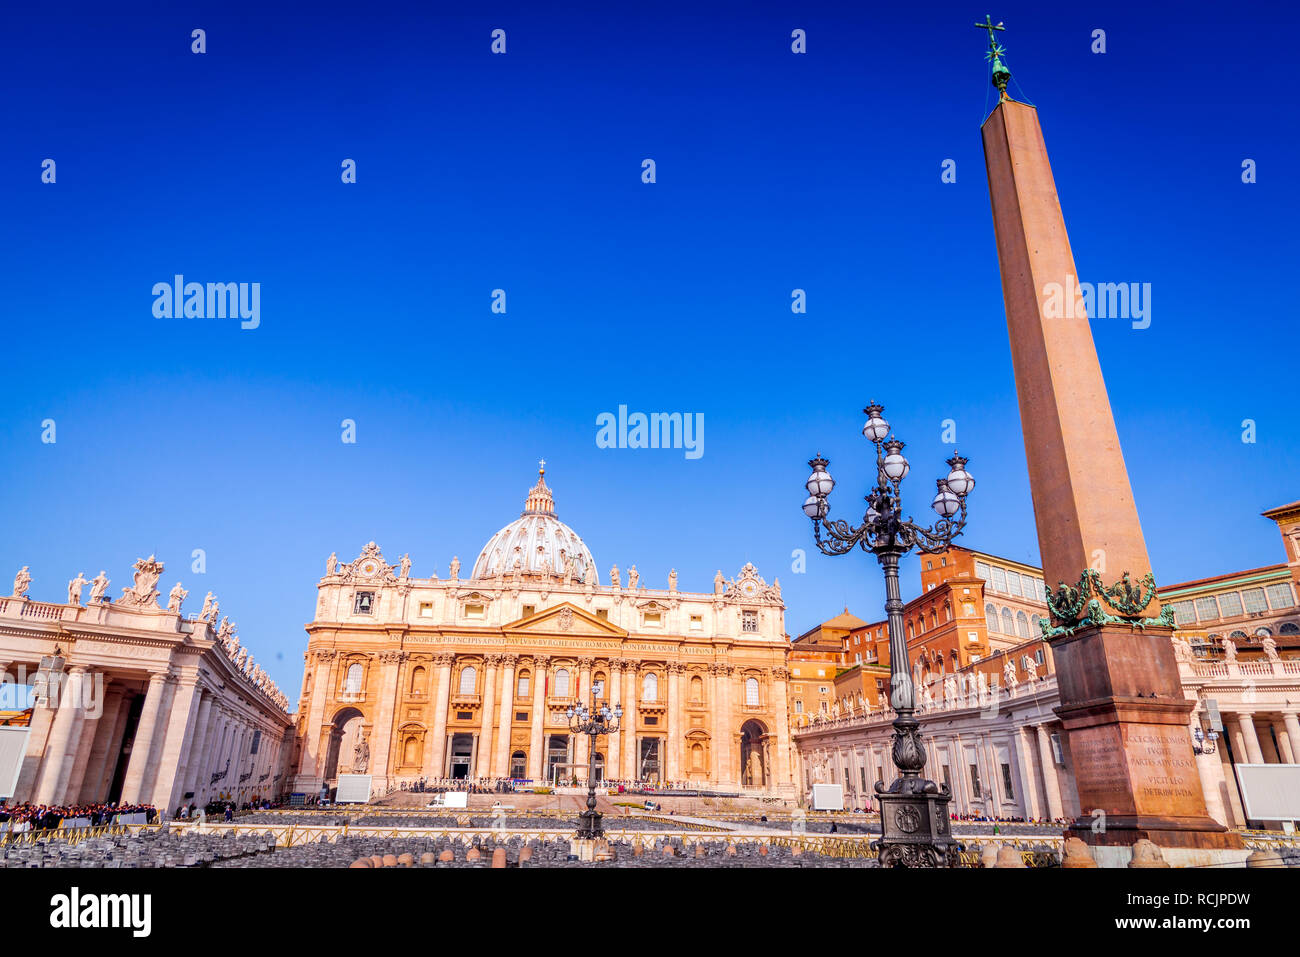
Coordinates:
x,y
913,810
603,721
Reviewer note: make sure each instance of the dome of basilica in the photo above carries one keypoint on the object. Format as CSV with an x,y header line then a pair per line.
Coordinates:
x,y
537,543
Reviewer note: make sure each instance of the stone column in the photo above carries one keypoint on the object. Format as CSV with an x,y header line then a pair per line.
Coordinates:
x,y
780,708
536,748
435,748
381,732
176,745
217,753
91,765
614,695
60,751
716,725
1051,783
726,734
107,751
197,756
582,749
1292,726
97,721
38,735
1246,722
674,769
629,720
1029,791
483,767
505,720
142,745
313,762
1286,754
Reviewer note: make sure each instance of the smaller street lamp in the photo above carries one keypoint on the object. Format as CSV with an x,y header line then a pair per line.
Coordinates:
x,y
582,721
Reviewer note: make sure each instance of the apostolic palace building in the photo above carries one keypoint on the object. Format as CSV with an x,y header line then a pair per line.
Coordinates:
x,y
469,677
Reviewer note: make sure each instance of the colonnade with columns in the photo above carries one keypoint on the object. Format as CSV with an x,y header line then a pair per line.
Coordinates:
x,y
117,715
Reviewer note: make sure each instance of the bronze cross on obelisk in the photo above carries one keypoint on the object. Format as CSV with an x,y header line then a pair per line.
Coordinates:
x,y
1000,73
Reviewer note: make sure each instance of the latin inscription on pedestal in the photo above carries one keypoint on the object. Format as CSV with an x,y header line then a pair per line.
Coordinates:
x,y
1136,769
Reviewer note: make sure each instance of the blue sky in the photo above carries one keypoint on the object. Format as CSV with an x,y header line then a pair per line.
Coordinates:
x,y
522,172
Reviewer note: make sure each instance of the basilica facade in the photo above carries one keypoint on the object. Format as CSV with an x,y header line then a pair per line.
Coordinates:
x,y
470,677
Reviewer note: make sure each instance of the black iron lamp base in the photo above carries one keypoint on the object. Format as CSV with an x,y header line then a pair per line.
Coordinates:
x,y
914,823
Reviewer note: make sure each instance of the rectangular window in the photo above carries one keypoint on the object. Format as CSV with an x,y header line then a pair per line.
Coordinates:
x,y
651,720
1038,656
464,715
982,570
1007,789
1230,604
1207,609
824,690
798,706
1254,599
975,780
521,715
426,609
697,623
863,774
749,621
602,614
529,611
257,741
473,611
653,619
999,579
1013,584
522,691
1184,613
1280,596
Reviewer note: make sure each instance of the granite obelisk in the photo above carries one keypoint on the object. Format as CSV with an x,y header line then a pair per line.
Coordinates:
x,y
1121,701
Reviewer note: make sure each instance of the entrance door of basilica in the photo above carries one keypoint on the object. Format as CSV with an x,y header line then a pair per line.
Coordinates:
x,y
462,753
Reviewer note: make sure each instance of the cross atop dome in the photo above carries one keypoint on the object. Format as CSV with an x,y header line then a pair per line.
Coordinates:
x,y
540,500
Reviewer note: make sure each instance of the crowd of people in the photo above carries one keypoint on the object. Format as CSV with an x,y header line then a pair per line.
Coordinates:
x,y
471,785
18,818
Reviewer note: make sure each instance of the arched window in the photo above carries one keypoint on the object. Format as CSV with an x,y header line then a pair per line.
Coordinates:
x,y
417,680
562,683
518,764
751,692
697,689
468,680
521,689
1036,626
1263,633
991,617
1238,636
650,688
356,674
1289,628
1022,625
910,632
934,618
1008,623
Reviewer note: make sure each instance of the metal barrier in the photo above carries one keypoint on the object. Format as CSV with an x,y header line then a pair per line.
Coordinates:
x,y
71,835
